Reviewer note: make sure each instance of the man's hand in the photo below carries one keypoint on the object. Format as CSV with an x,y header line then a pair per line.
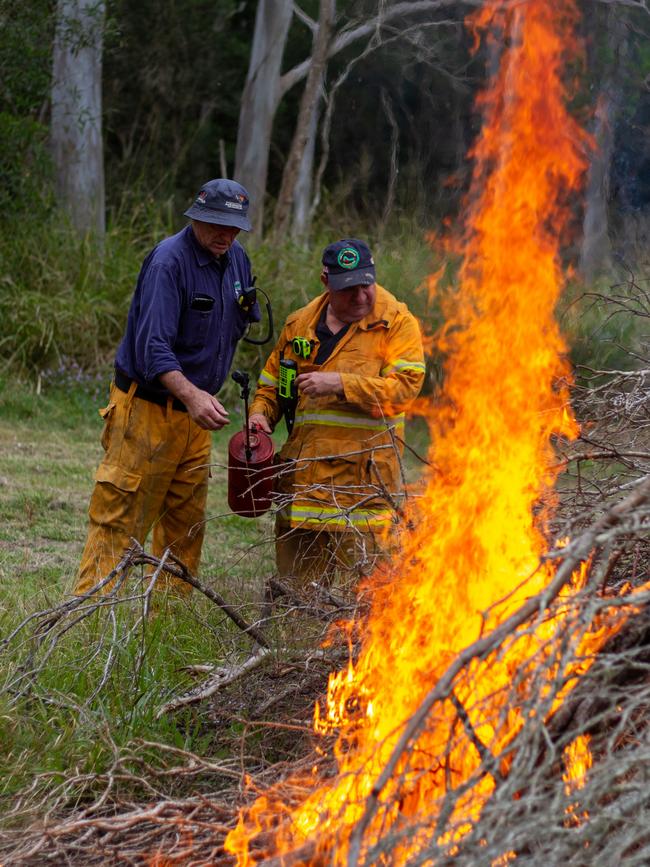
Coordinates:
x,y
206,411
318,384
258,420
202,407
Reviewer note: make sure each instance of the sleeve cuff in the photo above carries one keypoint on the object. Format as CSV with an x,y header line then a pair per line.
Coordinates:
x,y
154,373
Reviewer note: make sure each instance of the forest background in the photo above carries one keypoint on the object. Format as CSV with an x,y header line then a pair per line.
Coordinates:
x,y
355,118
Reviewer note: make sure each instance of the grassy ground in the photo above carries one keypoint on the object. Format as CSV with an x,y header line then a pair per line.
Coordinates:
x,y
61,738
49,449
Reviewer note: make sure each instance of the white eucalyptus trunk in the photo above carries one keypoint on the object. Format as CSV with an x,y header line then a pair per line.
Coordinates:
x,y
76,127
595,253
596,250
311,96
260,101
301,217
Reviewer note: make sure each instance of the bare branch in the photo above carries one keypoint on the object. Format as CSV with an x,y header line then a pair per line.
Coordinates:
x,y
224,677
301,15
355,32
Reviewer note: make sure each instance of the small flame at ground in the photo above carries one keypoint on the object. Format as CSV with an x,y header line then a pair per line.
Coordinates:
x,y
474,558
577,761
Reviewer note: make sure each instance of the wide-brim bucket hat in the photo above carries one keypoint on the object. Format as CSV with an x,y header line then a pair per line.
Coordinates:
x,y
223,202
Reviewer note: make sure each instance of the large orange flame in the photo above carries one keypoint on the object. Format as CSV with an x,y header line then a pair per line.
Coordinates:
x,y
475,555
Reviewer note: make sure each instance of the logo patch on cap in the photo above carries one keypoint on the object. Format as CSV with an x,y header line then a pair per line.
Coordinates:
x,y
202,196
348,258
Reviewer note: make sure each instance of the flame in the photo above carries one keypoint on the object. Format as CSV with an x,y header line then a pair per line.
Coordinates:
x,y
474,556
577,761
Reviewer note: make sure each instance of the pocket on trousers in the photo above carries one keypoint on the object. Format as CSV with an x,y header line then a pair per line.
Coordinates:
x,y
108,414
121,479
113,497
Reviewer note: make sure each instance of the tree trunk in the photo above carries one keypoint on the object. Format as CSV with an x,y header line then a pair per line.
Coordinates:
x,y
260,101
265,86
76,127
308,103
596,248
301,219
595,254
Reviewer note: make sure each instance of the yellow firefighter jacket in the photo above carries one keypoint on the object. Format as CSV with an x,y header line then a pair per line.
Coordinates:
x,y
340,461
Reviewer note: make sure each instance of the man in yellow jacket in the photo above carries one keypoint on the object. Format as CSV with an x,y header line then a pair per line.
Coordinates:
x,y
358,358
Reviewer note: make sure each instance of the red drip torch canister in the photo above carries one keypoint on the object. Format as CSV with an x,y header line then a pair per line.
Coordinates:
x,y
250,473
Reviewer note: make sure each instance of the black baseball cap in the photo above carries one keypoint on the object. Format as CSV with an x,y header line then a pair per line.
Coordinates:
x,y
223,202
348,262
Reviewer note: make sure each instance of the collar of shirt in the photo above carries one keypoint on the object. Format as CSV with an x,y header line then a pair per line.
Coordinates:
x,y
327,341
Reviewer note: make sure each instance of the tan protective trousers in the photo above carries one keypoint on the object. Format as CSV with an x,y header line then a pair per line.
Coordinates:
x,y
154,474
305,555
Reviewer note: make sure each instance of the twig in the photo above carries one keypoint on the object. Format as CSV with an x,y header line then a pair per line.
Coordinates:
x,y
178,569
215,683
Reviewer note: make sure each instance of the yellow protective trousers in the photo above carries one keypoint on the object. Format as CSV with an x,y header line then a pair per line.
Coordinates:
x,y
154,474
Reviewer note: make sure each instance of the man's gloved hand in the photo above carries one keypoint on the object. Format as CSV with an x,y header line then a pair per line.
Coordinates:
x,y
258,420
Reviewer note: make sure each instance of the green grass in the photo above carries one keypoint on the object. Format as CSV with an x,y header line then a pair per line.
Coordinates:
x,y
49,448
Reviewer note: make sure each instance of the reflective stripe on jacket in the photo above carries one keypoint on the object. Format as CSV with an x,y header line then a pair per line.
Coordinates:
x,y
343,457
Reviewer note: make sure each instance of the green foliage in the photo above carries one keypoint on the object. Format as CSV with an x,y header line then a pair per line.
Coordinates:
x,y
25,61
429,82
25,167
173,76
25,55
62,297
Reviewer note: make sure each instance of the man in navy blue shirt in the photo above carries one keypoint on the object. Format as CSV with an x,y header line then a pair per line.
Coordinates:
x,y
187,314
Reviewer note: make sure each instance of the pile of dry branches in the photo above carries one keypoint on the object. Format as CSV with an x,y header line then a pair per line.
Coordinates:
x,y
155,798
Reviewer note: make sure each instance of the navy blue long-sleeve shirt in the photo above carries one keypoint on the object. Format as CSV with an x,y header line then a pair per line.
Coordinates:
x,y
185,314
